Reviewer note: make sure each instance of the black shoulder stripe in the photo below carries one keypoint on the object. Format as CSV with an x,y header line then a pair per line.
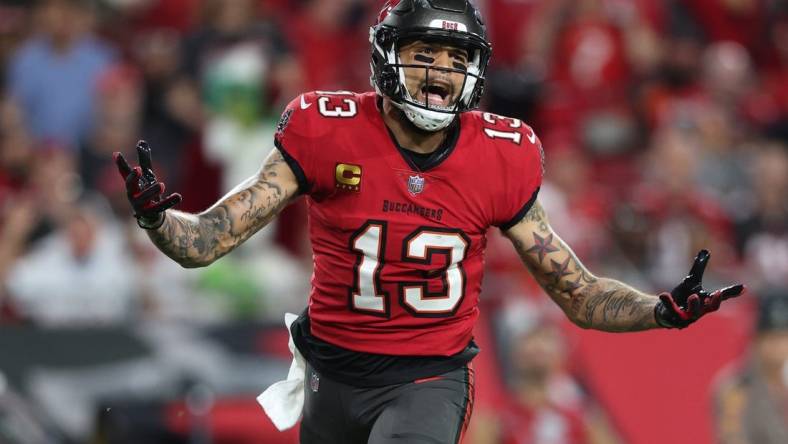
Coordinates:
x,y
520,214
303,183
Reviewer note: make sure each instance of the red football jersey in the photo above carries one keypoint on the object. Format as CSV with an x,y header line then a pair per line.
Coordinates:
x,y
398,253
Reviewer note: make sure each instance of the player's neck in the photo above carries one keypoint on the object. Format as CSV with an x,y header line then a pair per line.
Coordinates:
x,y
407,135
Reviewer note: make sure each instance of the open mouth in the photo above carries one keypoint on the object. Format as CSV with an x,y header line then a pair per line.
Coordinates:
x,y
435,94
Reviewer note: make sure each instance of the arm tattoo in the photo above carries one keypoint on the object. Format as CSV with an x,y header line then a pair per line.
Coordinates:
x,y
613,306
536,214
591,302
195,240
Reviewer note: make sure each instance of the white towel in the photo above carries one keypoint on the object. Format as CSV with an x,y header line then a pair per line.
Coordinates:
x,y
283,401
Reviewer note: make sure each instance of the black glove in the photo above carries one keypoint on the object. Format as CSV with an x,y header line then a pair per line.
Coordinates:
x,y
688,302
144,190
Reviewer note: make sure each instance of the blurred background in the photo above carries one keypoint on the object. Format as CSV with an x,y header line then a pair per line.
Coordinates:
x,y
665,128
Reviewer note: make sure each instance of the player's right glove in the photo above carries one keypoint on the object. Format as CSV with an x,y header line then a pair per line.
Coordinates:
x,y
144,190
688,302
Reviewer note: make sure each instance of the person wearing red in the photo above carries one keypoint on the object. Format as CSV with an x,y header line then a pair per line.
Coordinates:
x,y
402,185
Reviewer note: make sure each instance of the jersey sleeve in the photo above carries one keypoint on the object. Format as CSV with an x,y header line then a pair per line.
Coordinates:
x,y
522,172
296,137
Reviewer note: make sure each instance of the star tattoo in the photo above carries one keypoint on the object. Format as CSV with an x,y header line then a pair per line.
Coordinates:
x,y
544,246
559,270
571,287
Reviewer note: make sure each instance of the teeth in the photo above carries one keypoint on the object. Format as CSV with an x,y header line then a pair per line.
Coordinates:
x,y
435,96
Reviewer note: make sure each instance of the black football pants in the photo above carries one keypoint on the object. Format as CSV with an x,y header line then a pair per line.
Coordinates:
x,y
430,411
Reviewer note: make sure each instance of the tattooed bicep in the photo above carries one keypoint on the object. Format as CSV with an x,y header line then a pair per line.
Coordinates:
x,y
535,219
273,161
533,230
276,177
273,167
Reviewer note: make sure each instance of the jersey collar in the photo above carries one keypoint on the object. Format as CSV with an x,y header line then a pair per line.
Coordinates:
x,y
436,157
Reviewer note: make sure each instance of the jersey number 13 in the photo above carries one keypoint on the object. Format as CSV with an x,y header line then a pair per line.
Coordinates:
x,y
369,245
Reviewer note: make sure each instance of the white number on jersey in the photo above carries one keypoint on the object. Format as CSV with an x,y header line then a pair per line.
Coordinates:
x,y
349,110
329,109
420,248
494,119
369,243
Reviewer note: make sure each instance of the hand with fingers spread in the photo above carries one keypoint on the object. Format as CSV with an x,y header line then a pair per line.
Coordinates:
x,y
689,301
144,191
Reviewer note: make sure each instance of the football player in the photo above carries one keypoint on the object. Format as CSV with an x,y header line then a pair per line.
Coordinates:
x,y
402,184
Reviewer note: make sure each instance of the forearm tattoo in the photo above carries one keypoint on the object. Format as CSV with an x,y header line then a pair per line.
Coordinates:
x,y
613,306
591,302
198,239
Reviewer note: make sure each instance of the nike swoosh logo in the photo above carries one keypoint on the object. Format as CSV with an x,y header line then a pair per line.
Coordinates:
x,y
532,137
304,105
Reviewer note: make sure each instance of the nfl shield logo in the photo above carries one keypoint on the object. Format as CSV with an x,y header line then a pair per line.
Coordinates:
x,y
415,184
314,382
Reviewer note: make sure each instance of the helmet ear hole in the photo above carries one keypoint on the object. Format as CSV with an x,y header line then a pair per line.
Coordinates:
x,y
384,37
389,81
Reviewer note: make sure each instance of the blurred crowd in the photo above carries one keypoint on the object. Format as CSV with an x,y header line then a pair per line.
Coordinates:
x,y
665,127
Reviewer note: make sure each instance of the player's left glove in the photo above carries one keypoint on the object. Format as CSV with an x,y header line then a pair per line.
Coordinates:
x,y
688,302
144,190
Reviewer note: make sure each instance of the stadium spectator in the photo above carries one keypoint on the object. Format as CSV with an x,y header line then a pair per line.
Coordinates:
x,y
751,405
229,25
669,96
14,18
727,73
740,21
241,65
53,74
16,149
30,177
762,226
79,274
774,107
173,113
117,122
592,52
544,403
